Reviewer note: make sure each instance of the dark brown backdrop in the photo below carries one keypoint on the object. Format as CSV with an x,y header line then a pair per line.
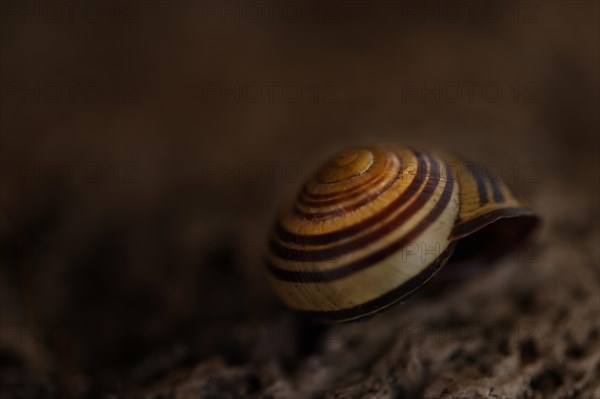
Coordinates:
x,y
144,147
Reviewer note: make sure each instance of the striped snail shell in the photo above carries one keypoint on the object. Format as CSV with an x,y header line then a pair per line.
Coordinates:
x,y
375,223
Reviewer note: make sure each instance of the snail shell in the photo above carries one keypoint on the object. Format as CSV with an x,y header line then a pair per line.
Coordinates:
x,y
376,223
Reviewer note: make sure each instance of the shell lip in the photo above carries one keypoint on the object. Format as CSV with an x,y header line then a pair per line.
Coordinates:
x,y
465,229
494,234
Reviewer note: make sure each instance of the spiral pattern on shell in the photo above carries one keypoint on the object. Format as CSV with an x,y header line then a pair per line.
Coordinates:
x,y
374,224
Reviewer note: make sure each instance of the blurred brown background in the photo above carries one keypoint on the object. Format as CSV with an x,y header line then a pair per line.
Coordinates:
x,y
145,146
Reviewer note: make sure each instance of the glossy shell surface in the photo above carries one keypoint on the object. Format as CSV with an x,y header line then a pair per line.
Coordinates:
x,y
373,225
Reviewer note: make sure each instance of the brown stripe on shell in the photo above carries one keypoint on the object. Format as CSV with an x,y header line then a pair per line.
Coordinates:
x,y
373,306
479,180
367,186
323,239
496,190
316,255
315,196
349,207
374,258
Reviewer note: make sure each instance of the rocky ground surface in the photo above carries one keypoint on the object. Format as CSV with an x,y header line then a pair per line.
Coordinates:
x,y
526,329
